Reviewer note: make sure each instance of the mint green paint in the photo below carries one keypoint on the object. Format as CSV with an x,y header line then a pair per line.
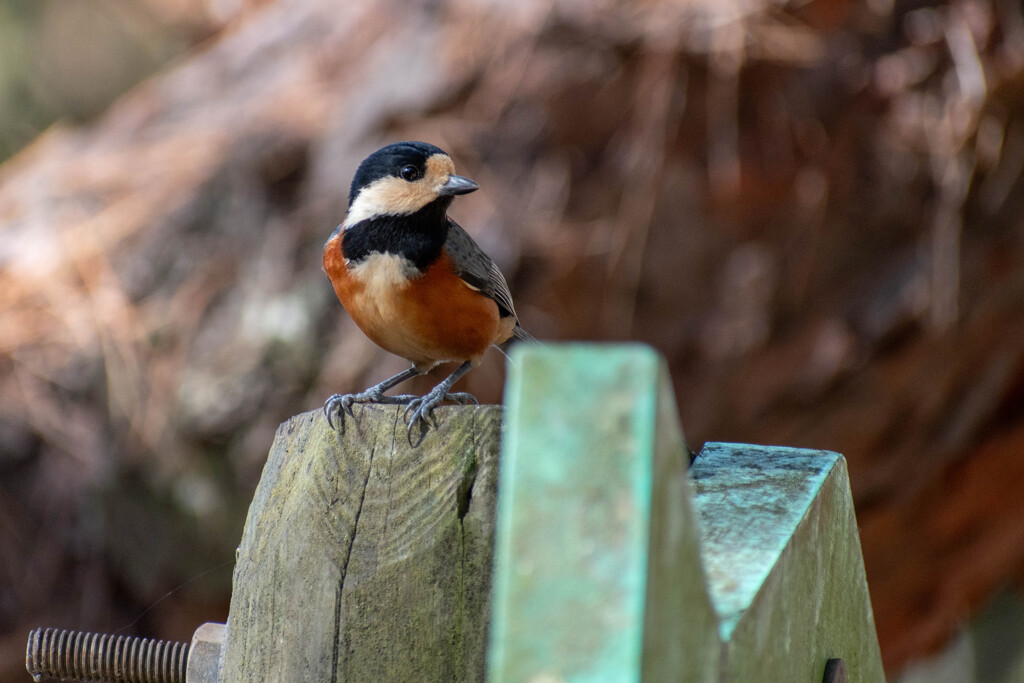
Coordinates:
x,y
771,488
784,565
576,572
571,550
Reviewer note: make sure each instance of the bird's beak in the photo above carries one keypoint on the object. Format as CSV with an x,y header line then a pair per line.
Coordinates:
x,y
457,185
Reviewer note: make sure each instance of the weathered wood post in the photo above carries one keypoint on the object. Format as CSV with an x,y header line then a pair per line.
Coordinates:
x,y
364,558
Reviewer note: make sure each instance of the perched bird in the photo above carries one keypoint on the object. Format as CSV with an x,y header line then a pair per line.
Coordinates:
x,y
412,279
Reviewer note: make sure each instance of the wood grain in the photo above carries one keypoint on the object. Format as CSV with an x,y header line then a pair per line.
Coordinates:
x,y
364,558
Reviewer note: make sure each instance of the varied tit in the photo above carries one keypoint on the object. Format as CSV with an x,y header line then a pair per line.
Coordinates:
x,y
413,280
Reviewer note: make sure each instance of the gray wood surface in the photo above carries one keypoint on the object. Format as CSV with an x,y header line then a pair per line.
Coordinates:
x,y
364,558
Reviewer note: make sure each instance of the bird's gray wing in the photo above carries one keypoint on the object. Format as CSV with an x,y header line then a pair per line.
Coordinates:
x,y
477,269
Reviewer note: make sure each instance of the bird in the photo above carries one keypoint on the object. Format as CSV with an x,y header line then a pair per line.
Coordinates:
x,y
413,280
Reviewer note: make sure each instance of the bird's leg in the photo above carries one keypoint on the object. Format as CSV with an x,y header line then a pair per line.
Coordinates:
x,y
339,403
422,408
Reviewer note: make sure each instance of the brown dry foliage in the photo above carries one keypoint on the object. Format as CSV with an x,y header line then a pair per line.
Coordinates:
x,y
811,208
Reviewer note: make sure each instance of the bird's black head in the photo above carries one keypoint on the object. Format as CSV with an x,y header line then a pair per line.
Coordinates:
x,y
402,178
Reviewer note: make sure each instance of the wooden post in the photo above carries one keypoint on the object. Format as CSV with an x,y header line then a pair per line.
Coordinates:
x,y
613,565
784,566
365,559
598,570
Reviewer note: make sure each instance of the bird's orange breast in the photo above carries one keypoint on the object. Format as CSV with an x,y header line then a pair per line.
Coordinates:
x,y
427,318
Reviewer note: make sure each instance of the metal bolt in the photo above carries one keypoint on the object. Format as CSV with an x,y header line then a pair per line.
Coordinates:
x,y
95,657
204,653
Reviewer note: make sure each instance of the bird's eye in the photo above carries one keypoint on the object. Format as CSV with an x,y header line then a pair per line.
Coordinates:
x,y
410,173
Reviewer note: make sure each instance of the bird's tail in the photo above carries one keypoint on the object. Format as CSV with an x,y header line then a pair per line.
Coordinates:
x,y
518,335
522,335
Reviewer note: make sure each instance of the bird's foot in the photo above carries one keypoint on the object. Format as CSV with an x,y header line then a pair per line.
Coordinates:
x,y
421,409
462,398
339,404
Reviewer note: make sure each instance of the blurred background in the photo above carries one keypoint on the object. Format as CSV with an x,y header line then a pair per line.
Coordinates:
x,y
813,208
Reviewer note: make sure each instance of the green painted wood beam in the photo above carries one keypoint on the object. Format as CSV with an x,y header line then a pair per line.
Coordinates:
x,y
784,564
597,564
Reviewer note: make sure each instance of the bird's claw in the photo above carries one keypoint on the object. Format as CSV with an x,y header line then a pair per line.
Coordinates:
x,y
462,398
421,409
342,403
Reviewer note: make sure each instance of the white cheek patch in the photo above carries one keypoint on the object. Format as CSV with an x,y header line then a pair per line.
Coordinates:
x,y
362,208
389,196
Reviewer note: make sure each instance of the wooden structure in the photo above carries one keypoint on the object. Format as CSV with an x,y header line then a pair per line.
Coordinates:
x,y
366,559
599,571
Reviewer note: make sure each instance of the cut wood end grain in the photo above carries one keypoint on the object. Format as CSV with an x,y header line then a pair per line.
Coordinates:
x,y
367,558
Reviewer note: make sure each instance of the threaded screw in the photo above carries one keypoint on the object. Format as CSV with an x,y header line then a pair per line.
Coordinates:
x,y
99,657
